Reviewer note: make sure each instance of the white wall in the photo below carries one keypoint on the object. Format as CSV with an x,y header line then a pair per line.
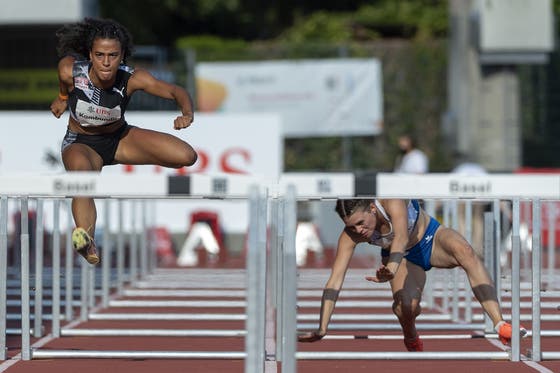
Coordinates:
x,y
243,143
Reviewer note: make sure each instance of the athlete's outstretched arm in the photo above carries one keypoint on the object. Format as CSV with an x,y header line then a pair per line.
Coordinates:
x,y
344,253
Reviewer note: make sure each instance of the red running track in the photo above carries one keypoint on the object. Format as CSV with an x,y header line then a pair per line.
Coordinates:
x,y
152,343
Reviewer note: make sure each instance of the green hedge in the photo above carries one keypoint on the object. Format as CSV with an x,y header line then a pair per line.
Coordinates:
x,y
28,86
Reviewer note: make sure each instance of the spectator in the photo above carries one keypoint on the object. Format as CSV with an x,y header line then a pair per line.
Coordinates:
x,y
411,160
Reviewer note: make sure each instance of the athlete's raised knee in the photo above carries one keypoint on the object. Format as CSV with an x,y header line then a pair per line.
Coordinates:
x,y
79,164
192,157
186,159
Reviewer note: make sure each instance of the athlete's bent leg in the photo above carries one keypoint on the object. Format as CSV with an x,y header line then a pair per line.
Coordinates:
x,y
407,287
143,146
79,157
451,250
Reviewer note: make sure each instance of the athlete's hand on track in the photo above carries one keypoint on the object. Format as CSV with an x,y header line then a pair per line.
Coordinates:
x,y
383,274
183,121
58,107
310,336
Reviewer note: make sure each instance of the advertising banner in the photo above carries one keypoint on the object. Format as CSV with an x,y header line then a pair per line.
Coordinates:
x,y
316,98
248,144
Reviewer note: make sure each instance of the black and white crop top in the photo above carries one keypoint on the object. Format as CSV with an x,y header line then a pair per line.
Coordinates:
x,y
91,106
385,240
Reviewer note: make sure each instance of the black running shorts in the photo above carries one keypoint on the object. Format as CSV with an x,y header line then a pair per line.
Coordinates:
x,y
105,145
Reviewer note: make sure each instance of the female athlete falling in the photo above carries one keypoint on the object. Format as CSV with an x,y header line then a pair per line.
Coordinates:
x,y
412,242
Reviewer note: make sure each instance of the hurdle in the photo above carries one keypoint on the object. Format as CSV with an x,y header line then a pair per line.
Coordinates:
x,y
46,187
283,281
492,188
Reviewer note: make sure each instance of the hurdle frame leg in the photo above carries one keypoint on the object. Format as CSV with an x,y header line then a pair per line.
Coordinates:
x,y
488,259
279,276
39,247
256,290
120,247
55,310
536,281
515,281
69,262
25,309
106,254
289,288
3,273
468,236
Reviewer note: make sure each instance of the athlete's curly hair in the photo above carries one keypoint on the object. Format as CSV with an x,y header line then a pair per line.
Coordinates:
x,y
346,207
77,38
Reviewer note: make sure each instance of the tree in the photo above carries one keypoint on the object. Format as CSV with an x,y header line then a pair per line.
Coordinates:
x,y
161,22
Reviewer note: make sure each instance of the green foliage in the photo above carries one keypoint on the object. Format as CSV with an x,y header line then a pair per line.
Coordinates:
x,y
556,7
213,48
29,86
319,26
405,18
313,154
409,19
162,22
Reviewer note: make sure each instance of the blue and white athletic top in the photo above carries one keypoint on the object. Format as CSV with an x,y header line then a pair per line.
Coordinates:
x,y
385,240
91,106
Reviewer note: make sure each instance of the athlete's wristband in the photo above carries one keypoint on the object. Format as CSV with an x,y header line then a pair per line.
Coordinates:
x,y
62,97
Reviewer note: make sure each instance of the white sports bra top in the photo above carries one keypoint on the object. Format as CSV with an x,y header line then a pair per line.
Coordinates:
x,y
385,240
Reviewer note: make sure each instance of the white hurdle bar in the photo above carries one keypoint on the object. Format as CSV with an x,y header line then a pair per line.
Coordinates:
x,y
432,355
97,354
152,333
